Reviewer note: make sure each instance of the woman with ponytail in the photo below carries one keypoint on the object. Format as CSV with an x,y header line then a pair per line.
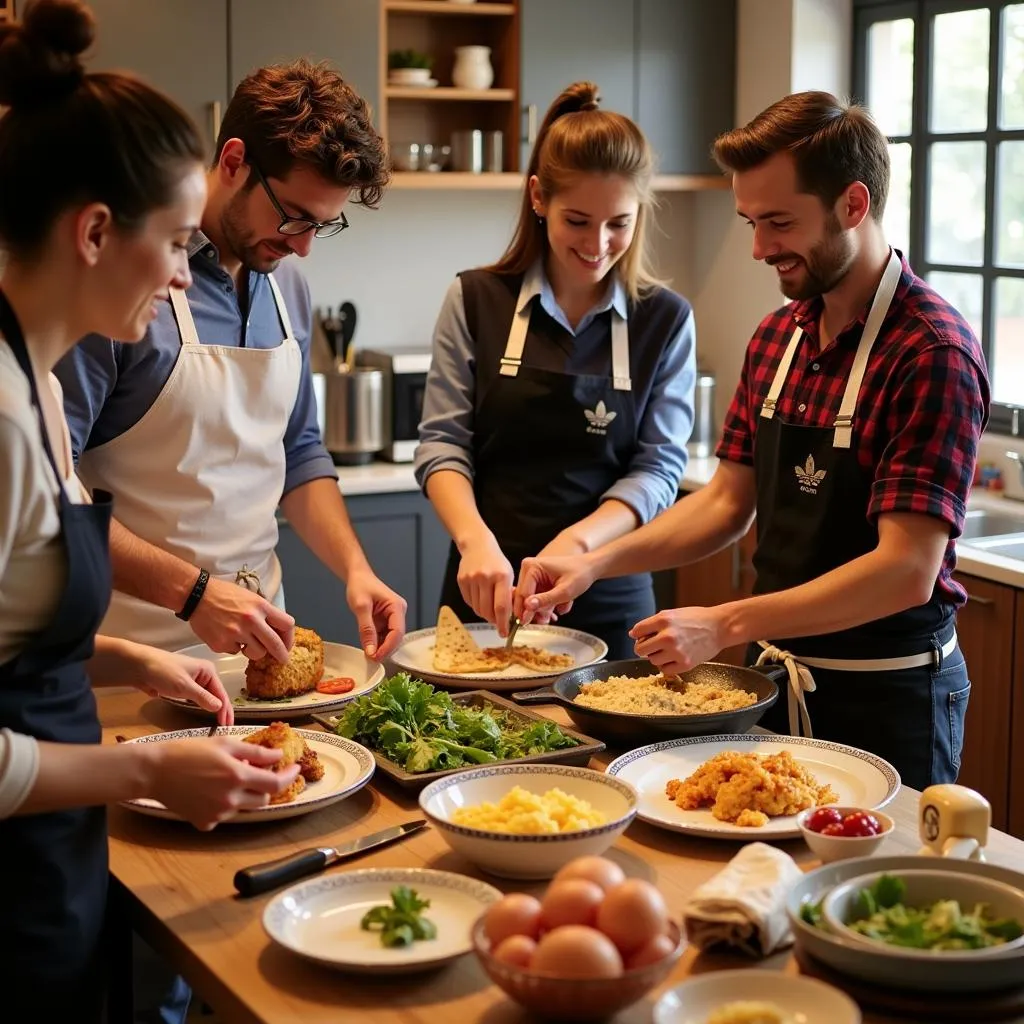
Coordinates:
x,y
101,186
560,395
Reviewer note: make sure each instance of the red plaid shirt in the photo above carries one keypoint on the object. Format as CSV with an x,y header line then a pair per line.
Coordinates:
x,y
922,407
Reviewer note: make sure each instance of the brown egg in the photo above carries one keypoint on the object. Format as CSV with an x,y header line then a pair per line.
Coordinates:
x,y
515,914
575,951
650,953
632,914
599,870
516,950
574,901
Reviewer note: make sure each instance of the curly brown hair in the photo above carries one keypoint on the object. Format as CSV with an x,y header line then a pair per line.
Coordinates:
x,y
306,113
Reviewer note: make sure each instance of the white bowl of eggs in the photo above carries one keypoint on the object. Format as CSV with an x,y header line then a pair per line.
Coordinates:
x,y
529,820
593,944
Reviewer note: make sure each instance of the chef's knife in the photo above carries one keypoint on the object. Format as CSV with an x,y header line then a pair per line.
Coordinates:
x,y
269,875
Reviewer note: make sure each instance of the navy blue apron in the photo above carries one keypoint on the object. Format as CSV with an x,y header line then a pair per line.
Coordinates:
x,y
547,445
55,864
812,502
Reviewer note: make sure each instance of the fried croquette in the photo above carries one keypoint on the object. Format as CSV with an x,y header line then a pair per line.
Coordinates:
x,y
748,789
281,736
267,679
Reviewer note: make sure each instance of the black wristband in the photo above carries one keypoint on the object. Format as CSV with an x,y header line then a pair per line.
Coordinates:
x,y
194,598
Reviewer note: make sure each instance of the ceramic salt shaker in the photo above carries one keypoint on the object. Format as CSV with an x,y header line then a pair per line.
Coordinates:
x,y
953,821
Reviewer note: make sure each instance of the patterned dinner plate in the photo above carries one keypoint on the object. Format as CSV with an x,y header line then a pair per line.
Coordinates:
x,y
860,779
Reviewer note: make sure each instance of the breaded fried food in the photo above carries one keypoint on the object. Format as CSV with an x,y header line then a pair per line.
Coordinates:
x,y
748,789
281,736
535,658
267,679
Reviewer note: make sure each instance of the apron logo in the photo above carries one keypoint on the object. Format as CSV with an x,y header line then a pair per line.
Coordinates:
x,y
598,419
808,477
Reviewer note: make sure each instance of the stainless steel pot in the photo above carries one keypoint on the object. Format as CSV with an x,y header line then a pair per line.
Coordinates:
x,y
354,414
702,440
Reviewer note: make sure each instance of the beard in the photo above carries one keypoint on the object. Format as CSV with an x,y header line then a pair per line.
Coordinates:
x,y
827,263
242,240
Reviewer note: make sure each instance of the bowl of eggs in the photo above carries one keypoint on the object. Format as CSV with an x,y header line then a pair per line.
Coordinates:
x,y
593,944
528,821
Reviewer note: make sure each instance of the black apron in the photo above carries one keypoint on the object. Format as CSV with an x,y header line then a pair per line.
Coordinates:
x,y
55,864
812,501
547,445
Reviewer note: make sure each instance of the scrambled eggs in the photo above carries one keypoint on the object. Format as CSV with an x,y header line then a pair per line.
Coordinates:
x,y
749,1012
523,813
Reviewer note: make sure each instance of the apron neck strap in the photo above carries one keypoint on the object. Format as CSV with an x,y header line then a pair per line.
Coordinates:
x,y
282,309
516,344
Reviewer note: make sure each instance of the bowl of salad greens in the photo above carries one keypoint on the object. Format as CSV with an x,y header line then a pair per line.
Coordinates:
x,y
928,913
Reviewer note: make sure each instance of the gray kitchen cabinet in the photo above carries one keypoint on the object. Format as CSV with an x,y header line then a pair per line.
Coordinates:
x,y
406,545
344,32
685,79
575,40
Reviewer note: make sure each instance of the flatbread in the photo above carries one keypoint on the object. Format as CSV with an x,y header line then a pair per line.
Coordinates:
x,y
456,652
539,660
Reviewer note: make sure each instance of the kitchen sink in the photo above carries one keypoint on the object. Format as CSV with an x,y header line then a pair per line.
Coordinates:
x,y
982,523
1009,546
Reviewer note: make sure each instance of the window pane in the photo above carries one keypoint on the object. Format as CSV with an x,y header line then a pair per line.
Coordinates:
x,y
896,220
1007,364
1011,113
964,292
959,101
956,203
890,88
1010,204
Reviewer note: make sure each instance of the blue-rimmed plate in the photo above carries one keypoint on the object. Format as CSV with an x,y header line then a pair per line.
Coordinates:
x,y
348,766
860,779
319,920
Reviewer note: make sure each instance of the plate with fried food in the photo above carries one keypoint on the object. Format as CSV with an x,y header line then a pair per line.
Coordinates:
x,y
318,677
750,786
331,768
466,655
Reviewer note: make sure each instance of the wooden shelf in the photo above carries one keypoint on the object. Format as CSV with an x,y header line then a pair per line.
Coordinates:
x,y
511,182
448,7
448,92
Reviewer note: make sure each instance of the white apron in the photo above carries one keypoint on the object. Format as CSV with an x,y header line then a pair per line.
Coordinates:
x,y
201,474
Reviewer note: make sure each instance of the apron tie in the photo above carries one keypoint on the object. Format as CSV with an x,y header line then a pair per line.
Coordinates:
x,y
246,577
800,682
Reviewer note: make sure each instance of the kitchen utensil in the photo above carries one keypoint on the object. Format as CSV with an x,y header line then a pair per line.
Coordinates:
x,y
468,151
702,437
481,700
513,628
320,920
339,660
534,855
354,415
270,874
416,655
860,779
345,352
348,766
620,728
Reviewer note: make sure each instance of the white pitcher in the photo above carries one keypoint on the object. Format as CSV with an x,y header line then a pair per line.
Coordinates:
x,y
472,68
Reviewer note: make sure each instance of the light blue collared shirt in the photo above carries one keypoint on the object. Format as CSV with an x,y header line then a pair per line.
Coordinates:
x,y
665,420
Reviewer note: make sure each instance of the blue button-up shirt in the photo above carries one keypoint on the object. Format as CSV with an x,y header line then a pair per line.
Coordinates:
x,y
109,385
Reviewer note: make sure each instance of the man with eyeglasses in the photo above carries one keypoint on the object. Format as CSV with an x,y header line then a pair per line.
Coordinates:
x,y
209,424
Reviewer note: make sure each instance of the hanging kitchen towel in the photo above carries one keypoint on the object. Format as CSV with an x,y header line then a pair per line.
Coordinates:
x,y
744,905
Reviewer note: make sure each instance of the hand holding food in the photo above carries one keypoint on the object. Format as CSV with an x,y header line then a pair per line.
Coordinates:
x,y
230,618
267,678
294,750
548,584
679,639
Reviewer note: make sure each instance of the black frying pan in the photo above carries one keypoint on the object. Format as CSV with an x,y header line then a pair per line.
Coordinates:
x,y
622,729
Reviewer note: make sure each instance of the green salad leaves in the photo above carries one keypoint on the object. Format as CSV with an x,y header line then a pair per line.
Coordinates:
x,y
423,730
400,923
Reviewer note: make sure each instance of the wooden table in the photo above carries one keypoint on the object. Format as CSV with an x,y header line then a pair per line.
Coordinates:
x,y
176,885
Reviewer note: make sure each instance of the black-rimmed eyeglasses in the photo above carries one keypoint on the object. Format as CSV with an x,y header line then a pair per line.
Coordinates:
x,y
299,225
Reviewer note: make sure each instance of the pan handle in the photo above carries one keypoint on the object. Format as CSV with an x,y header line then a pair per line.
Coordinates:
x,y
545,695
775,672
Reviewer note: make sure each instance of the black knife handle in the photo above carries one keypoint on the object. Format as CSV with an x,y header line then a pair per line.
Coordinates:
x,y
263,877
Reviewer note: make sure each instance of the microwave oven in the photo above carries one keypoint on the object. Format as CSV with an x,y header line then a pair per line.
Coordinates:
x,y
405,379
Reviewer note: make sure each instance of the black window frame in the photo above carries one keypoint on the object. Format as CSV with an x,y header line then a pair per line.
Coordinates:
x,y
1005,419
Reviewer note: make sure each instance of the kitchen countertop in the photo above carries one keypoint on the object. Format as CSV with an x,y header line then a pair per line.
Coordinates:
x,y
376,478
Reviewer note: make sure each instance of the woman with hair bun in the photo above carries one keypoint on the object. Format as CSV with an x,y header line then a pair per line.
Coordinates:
x,y
560,395
101,185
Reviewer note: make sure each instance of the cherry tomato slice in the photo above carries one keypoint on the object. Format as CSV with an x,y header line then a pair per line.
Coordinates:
x,y
823,816
860,823
340,684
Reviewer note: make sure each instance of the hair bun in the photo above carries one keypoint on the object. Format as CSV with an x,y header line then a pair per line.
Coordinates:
x,y
39,57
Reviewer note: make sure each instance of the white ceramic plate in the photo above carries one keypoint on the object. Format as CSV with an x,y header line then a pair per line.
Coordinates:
x,y
348,766
804,999
339,660
860,779
398,83
319,920
416,655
